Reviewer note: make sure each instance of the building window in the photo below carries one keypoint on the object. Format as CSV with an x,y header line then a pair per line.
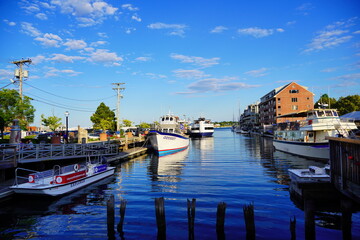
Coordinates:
x,y
294,107
293,91
293,99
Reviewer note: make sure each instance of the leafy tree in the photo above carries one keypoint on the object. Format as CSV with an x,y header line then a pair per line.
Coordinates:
x,y
13,107
348,104
144,125
324,99
127,123
52,122
103,118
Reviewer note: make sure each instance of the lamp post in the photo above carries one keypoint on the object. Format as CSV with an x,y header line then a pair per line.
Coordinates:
x,y
67,126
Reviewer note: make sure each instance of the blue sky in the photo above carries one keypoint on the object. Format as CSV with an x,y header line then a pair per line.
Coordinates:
x,y
190,57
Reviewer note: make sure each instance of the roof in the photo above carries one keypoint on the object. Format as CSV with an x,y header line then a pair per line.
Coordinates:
x,y
353,115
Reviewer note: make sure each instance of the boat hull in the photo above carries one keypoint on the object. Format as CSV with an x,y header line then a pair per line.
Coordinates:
x,y
303,176
167,143
60,189
199,134
310,150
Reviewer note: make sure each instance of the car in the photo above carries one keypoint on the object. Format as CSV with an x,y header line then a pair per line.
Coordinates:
x,y
93,136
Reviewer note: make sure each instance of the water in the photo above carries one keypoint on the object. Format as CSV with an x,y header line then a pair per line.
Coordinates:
x,y
229,168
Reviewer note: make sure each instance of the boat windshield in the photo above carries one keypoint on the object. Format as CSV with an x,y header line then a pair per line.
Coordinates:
x,y
329,113
320,113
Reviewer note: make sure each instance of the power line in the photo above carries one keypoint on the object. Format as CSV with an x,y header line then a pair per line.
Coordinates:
x,y
88,100
6,86
55,105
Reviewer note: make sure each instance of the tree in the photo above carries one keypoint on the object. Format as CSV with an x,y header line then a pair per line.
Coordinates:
x,y
144,125
127,123
324,99
13,107
52,122
348,104
103,118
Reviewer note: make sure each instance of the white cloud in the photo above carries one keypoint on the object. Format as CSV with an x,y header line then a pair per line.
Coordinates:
x,y
259,32
73,44
129,7
103,35
98,43
218,29
175,29
198,61
190,74
9,23
304,9
6,74
257,73
129,30
29,29
38,59
143,59
52,72
155,76
106,57
49,40
136,18
58,57
41,16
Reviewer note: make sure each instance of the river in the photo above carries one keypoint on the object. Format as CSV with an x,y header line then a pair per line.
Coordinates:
x,y
228,167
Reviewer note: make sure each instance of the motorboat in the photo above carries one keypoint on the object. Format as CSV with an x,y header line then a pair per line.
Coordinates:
x,y
168,136
309,137
60,180
313,174
202,128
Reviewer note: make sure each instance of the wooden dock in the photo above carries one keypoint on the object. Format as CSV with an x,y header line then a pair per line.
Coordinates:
x,y
127,154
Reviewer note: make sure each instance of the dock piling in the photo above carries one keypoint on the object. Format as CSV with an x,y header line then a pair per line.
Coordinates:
x,y
293,228
122,216
111,217
309,208
220,220
160,218
191,217
249,221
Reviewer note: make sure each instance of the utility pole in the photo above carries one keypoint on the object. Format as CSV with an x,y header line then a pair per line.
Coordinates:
x,y
20,74
118,89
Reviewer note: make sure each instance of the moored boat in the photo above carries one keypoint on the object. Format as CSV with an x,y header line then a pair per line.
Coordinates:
x,y
61,180
311,175
202,128
168,136
308,137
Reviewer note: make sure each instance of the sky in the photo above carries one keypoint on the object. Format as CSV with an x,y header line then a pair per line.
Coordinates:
x,y
194,58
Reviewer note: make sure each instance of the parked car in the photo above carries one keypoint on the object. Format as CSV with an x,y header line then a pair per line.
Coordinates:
x,y
93,136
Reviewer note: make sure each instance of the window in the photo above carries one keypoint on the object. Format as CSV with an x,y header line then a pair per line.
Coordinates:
x,y
278,100
294,107
293,91
293,99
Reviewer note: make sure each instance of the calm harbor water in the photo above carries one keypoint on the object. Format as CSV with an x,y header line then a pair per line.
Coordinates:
x,y
229,168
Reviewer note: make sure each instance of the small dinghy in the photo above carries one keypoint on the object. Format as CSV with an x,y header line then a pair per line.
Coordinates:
x,y
311,175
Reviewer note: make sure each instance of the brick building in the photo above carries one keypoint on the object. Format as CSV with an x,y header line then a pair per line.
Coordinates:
x,y
283,100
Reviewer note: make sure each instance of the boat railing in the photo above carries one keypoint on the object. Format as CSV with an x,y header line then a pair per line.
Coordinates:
x,y
39,176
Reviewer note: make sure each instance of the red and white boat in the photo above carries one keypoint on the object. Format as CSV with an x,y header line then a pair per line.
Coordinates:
x,y
61,180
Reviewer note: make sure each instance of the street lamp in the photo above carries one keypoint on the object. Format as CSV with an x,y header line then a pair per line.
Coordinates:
x,y
67,126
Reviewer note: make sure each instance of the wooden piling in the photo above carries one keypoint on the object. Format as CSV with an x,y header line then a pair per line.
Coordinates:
x,y
293,228
111,217
122,216
346,215
309,208
249,221
220,220
191,217
160,218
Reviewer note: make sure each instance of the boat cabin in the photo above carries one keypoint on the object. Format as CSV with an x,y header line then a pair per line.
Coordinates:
x,y
169,124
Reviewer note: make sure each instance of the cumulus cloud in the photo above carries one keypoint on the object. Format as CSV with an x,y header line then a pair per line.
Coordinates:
x,y
41,16
52,72
98,43
190,74
175,29
38,59
259,32
9,23
257,73
49,40
129,7
197,61
106,57
143,59
73,44
219,29
29,29
58,57
136,18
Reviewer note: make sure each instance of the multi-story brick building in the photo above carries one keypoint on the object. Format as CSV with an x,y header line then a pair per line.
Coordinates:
x,y
283,100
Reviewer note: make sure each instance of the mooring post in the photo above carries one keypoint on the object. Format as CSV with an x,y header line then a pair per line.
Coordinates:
x,y
293,228
346,215
122,215
309,208
160,218
191,217
220,220
249,221
111,217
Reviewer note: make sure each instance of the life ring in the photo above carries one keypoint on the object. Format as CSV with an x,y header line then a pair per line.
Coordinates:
x,y
76,167
59,179
31,178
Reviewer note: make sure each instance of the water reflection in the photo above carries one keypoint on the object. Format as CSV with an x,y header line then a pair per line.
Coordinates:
x,y
166,170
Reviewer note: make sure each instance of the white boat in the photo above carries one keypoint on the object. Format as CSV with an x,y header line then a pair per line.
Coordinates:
x,y
61,180
202,128
168,137
308,137
311,175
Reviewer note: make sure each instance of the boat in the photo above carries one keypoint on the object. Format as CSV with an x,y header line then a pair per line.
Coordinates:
x,y
61,180
309,137
312,174
168,136
202,128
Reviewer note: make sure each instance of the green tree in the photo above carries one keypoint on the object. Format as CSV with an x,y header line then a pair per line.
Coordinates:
x,y
13,107
52,122
103,118
127,123
144,125
348,104
324,99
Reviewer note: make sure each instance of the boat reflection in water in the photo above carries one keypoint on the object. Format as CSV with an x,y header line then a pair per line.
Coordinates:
x,y
167,170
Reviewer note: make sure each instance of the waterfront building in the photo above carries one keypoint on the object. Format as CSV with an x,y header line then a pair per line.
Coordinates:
x,y
290,98
250,117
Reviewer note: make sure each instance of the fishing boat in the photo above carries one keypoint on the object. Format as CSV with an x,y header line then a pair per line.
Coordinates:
x,y
308,137
168,136
61,180
312,174
202,128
